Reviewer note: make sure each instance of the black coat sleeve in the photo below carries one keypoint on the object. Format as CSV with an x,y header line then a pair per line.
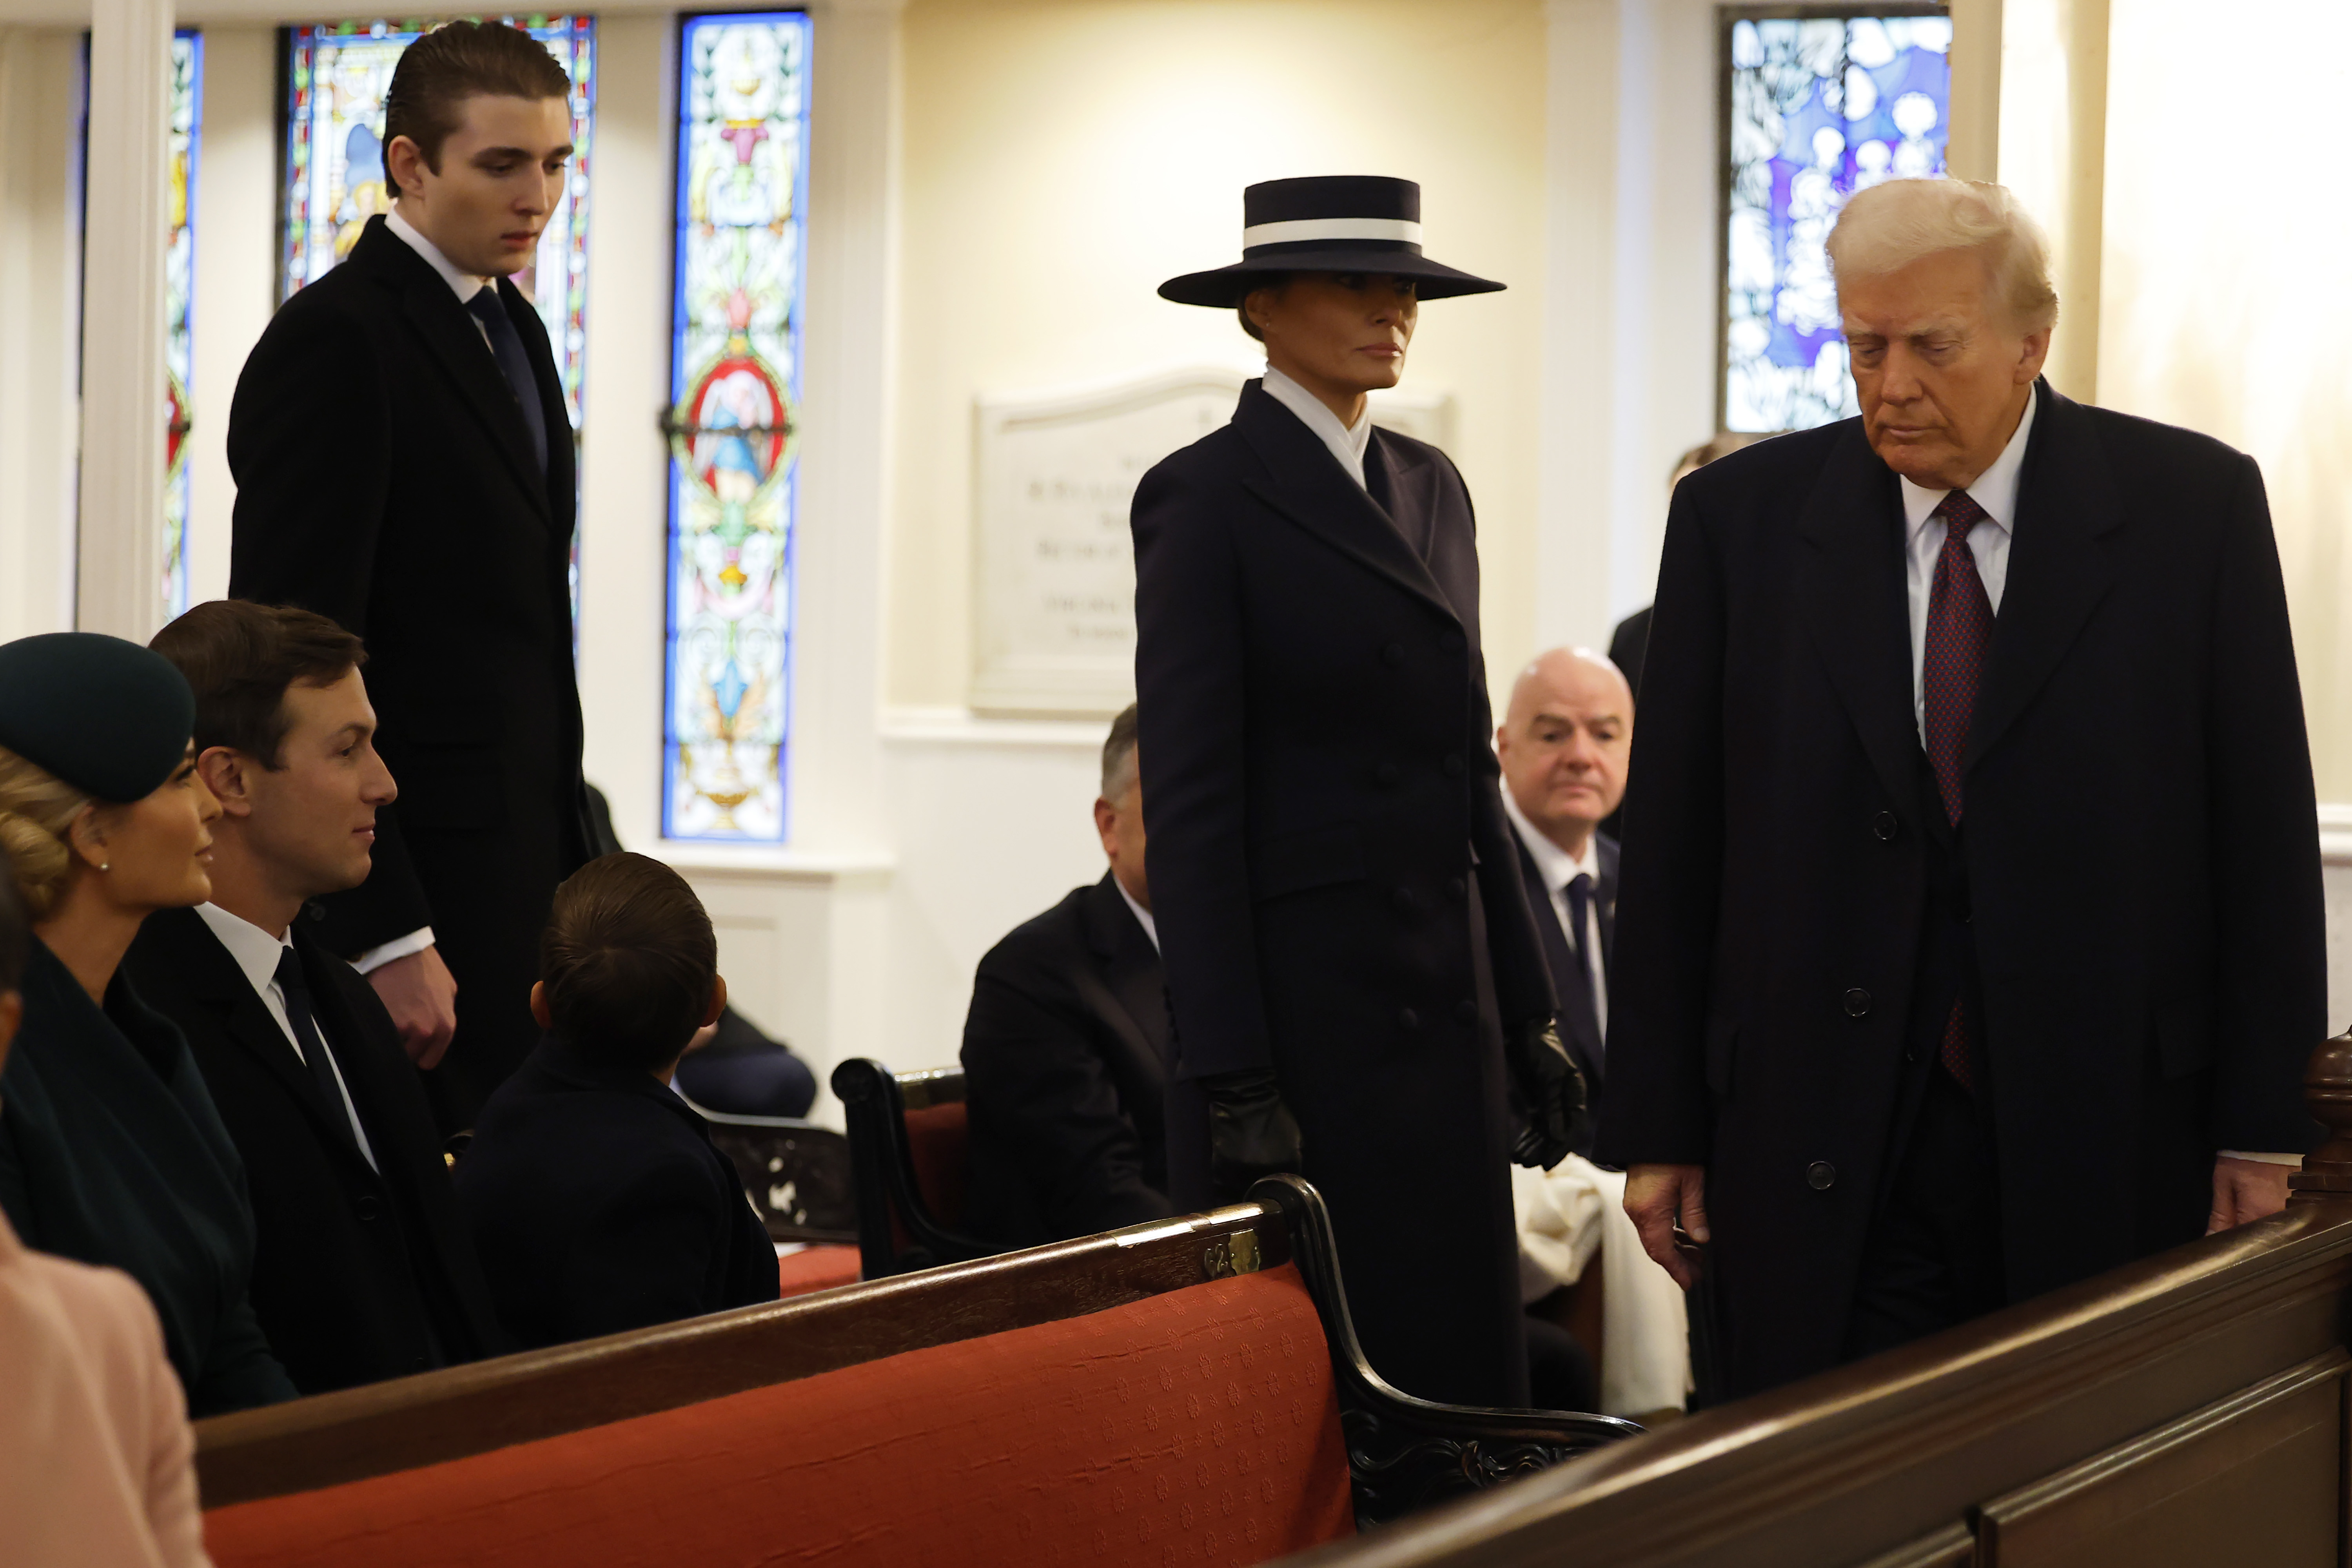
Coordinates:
x,y
1670,869
2270,915
649,1257
310,445
1041,1095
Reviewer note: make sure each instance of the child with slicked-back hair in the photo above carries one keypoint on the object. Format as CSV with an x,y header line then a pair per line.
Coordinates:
x,y
597,1201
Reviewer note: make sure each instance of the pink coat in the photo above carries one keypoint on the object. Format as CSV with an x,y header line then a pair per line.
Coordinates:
x,y
96,1458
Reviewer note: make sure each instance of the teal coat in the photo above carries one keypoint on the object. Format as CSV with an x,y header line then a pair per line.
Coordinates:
x,y
111,1152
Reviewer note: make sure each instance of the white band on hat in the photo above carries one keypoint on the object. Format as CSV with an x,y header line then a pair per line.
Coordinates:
x,y
1301,229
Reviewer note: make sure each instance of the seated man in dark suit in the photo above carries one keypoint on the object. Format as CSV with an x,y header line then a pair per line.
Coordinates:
x,y
362,1268
1563,744
1064,1049
596,1196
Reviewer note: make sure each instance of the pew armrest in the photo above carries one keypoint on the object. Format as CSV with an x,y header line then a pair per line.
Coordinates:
x,y
1405,1453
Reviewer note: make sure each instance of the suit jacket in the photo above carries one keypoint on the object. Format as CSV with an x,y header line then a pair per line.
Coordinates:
x,y
1331,871
598,1203
1064,1071
2133,896
1579,1017
96,1462
111,1152
360,1273
385,478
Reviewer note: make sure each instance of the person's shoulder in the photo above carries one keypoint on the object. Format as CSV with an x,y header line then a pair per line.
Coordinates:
x,y
2135,444
1215,458
1771,465
1041,944
109,1313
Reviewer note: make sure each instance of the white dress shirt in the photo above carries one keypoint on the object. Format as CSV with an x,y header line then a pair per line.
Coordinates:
x,y
1995,491
257,953
464,285
1559,868
1347,444
1143,915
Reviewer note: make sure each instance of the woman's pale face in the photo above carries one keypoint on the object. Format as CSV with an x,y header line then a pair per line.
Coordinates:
x,y
158,851
1337,329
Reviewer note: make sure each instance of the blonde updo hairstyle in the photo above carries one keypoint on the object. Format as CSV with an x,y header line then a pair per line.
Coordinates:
x,y
38,811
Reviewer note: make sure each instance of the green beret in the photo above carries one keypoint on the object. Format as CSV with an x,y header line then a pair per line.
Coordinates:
x,y
109,718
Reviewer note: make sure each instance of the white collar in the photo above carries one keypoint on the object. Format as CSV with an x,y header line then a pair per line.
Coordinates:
x,y
256,952
1347,446
464,285
1143,915
1555,865
1995,489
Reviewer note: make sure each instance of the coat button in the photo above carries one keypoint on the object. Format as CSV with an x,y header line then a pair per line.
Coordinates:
x,y
1457,890
1405,899
367,1207
1453,642
1408,1019
1857,1002
1884,826
1821,1176
1392,653
1453,765
1465,1011
1386,774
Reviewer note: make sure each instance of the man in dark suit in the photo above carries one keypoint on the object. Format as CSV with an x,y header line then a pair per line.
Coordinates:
x,y
1356,983
1063,1050
362,1268
1970,939
1562,745
405,466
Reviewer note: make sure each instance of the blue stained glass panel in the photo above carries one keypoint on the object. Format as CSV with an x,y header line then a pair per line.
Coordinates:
x,y
1821,108
735,387
179,297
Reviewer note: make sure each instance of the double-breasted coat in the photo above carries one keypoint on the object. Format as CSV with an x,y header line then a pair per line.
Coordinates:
x,y
1334,882
2131,896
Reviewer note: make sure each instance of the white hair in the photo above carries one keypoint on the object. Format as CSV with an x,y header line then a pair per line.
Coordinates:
x,y
1895,222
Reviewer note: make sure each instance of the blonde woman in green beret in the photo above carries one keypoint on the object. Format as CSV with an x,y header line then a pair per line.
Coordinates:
x,y
111,1151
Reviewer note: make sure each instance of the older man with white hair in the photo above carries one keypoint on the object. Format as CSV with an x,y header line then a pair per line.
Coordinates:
x,y
1969,936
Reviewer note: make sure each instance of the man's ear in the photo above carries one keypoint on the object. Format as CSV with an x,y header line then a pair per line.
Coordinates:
x,y
2036,353
539,1013
718,1000
228,774
403,160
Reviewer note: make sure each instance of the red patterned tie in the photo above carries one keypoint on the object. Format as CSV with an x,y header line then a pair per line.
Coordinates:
x,y
1959,629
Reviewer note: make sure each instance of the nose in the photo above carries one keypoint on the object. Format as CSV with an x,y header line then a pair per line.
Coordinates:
x,y
1898,380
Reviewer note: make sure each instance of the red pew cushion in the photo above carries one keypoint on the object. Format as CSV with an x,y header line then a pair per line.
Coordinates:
x,y
812,1269
938,1138
1198,1426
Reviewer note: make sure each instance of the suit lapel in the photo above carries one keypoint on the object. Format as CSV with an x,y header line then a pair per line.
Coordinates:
x,y
1606,898
2060,565
1129,968
1303,484
1850,598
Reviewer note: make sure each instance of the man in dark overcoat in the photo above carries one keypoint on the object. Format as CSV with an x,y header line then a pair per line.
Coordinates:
x,y
1349,954
1969,940
405,466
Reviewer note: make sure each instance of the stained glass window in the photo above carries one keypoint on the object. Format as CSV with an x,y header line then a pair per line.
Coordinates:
x,y
735,383
336,77
1817,107
179,295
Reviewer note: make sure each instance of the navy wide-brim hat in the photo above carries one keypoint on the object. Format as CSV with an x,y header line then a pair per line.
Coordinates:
x,y
109,718
1334,222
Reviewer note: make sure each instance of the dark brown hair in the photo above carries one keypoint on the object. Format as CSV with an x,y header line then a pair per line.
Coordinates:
x,y
240,658
628,961
441,71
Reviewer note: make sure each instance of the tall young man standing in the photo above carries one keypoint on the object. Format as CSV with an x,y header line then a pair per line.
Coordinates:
x,y
405,466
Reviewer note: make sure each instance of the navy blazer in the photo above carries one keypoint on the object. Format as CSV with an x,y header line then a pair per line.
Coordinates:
x,y
598,1203
1063,1076
359,1272
1579,1017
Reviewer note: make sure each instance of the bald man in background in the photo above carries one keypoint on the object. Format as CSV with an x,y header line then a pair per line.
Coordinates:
x,y
1563,744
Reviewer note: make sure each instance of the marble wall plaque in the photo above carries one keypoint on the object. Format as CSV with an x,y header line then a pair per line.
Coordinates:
x,y
1055,471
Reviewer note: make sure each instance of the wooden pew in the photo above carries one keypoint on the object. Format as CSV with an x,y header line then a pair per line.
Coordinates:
x,y
2189,1409
1189,1387
908,1141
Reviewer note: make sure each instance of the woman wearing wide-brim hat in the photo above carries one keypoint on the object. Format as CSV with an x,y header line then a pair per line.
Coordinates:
x,y
1352,996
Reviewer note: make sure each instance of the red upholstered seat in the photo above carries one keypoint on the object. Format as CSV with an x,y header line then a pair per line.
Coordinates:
x,y
938,1140
1197,1426
813,1268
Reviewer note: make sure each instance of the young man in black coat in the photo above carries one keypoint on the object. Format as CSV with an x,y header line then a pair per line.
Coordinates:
x,y
362,1268
1970,940
594,1191
1357,988
1064,1050
404,464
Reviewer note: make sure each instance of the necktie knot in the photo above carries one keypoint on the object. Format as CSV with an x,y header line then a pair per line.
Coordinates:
x,y
289,975
1960,513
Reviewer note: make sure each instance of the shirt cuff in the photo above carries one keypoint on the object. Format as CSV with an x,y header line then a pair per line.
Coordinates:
x,y
416,942
2266,1159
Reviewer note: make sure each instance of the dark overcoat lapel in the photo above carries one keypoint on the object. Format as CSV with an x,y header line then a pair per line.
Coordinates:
x,y
456,342
1133,999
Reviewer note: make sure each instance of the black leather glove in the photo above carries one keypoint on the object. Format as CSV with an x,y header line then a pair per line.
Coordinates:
x,y
1547,1092
1251,1132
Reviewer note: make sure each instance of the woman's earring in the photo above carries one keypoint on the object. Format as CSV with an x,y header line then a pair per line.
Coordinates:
x,y
105,865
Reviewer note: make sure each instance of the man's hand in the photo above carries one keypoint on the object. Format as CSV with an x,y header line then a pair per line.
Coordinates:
x,y
1252,1133
1656,1197
1546,1090
2245,1191
421,994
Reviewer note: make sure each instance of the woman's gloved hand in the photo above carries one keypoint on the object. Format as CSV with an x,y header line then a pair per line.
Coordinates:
x,y
1251,1132
1547,1092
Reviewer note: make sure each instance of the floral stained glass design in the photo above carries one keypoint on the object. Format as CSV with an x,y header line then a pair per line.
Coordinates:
x,y
179,297
337,75
1820,108
735,383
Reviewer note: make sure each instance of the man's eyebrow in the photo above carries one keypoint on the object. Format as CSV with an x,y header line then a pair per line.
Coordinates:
x,y
493,153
